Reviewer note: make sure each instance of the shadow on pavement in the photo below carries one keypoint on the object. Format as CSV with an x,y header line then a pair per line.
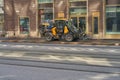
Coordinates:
x,y
115,42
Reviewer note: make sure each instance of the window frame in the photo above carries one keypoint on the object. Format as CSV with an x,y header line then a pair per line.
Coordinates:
x,y
28,25
107,12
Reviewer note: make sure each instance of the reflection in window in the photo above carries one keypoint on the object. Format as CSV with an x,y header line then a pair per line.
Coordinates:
x,y
113,19
45,1
78,7
76,0
45,12
82,23
81,10
74,20
1,22
24,25
1,16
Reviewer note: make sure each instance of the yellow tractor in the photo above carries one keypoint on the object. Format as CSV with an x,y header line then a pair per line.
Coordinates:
x,y
62,29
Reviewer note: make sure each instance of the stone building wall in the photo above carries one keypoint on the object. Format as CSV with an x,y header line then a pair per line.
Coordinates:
x,y
95,6
60,6
14,9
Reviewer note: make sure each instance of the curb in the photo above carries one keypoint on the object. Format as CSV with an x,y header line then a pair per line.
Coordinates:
x,y
62,42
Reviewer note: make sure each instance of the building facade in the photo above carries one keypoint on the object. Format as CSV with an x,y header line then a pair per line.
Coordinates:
x,y
98,18
21,18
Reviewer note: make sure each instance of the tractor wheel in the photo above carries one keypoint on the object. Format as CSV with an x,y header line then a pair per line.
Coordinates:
x,y
68,37
48,36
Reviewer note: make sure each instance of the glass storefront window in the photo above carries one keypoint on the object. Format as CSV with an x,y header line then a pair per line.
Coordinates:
x,y
113,19
76,0
78,8
1,3
24,25
1,17
79,11
1,23
45,1
45,10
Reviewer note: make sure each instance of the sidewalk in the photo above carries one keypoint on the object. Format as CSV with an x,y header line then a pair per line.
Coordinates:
x,y
115,42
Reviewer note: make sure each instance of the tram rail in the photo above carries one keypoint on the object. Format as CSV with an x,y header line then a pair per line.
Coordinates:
x,y
57,65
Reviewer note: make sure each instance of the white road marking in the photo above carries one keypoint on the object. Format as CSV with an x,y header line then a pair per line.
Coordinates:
x,y
74,49
88,60
91,49
112,51
19,46
29,47
1,53
4,45
103,76
59,48
14,55
7,76
84,59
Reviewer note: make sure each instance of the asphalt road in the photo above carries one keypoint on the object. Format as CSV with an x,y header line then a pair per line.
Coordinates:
x,y
29,61
8,72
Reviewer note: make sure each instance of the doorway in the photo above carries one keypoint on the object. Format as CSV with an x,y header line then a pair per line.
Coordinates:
x,y
95,24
